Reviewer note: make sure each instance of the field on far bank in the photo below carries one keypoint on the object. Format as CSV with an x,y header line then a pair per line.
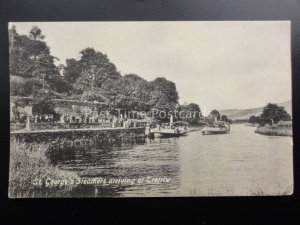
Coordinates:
x,y
283,128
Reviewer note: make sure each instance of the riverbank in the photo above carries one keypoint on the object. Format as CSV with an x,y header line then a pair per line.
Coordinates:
x,y
283,128
29,165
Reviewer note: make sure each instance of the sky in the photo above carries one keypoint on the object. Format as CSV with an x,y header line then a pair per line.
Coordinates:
x,y
218,65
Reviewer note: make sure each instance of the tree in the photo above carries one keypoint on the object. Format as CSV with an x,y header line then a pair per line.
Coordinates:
x,y
93,69
18,57
17,86
29,54
215,113
254,119
190,113
130,92
43,104
30,58
72,70
58,84
225,118
33,86
164,95
275,113
36,33
133,93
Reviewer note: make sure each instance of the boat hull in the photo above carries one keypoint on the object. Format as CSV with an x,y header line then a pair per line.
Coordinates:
x,y
214,130
169,134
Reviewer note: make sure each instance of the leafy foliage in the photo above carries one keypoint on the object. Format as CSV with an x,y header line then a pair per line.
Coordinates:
x,y
215,113
190,113
254,119
131,92
29,162
275,113
17,84
92,77
164,95
43,104
72,70
30,58
225,118
92,69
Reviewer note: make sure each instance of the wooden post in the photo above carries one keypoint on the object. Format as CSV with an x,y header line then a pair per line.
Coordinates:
x,y
28,123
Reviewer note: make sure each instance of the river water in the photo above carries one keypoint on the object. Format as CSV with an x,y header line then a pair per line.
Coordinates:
x,y
235,164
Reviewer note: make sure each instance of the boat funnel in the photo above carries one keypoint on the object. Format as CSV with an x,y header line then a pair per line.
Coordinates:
x,y
171,119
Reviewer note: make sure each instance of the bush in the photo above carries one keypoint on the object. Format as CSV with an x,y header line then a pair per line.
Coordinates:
x,y
90,96
28,162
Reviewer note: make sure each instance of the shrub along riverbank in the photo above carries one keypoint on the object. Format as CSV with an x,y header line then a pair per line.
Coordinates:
x,y
30,163
283,128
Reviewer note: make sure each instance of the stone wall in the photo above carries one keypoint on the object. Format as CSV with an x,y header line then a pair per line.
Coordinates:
x,y
58,126
81,136
62,106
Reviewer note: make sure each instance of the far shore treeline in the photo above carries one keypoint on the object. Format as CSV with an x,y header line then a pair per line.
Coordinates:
x,y
89,77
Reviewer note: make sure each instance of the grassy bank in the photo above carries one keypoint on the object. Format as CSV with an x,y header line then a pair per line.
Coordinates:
x,y
29,162
280,129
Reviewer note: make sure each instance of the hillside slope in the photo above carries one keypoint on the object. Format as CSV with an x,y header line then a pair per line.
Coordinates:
x,y
246,113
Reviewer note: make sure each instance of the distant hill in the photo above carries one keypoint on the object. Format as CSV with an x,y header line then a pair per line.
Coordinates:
x,y
246,113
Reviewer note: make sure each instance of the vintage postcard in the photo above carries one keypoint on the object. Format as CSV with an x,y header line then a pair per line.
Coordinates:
x,y
150,109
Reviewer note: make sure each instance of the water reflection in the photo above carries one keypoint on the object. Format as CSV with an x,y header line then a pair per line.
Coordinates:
x,y
151,158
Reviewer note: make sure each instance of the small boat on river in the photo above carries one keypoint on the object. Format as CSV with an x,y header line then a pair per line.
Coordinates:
x,y
219,127
171,129
175,129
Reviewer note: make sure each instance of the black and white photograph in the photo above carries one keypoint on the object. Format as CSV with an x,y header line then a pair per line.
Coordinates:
x,y
150,109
